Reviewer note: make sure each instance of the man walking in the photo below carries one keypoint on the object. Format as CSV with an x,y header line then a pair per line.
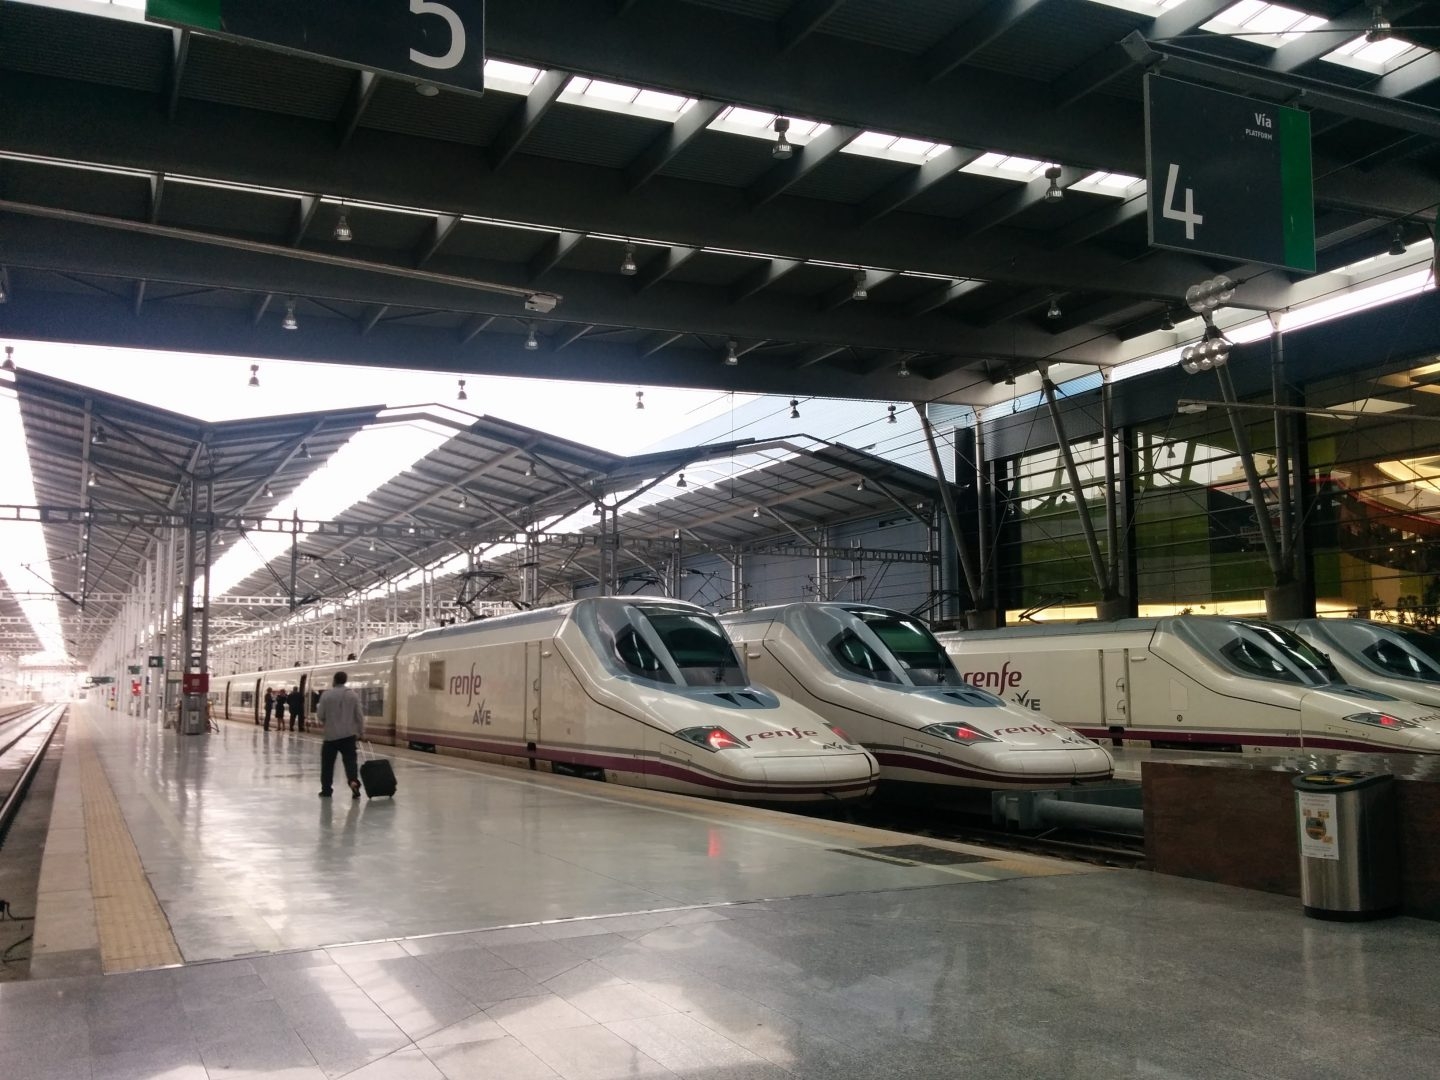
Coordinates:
x,y
269,706
343,720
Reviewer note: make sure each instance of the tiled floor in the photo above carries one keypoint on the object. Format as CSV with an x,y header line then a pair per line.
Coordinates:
x,y
897,972
1102,975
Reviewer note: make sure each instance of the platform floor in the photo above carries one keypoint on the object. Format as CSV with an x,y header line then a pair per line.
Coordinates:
x,y
693,940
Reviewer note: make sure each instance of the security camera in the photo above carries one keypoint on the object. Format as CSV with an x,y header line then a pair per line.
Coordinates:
x,y
542,302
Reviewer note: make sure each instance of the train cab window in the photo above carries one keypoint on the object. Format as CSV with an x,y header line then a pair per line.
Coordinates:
x,y
699,648
1394,650
919,654
635,654
437,674
857,657
1254,660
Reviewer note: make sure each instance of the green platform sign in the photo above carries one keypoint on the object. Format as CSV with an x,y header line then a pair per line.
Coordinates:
x,y
1228,175
429,41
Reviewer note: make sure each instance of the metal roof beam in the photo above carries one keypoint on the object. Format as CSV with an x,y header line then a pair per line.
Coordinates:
x,y
916,182
555,249
1101,221
934,301
671,142
762,277
656,342
1094,72
439,232
362,89
526,117
179,57
803,161
662,266
801,19
993,20
1013,203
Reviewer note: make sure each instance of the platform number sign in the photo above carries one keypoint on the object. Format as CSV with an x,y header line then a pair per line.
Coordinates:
x,y
1228,175
439,42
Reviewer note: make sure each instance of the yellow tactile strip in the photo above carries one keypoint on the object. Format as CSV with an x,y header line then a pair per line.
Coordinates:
x,y
134,932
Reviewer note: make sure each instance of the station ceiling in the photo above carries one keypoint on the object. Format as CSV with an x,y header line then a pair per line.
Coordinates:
x,y
169,190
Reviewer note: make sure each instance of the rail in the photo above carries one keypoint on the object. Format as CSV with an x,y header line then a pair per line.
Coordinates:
x,y
16,797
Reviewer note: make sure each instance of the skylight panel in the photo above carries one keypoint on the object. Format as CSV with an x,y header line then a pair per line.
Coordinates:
x,y
1151,8
1010,167
1270,25
738,120
621,98
1378,57
514,78
894,147
1120,185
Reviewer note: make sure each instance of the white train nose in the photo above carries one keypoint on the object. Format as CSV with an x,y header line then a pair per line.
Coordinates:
x,y
835,768
1069,763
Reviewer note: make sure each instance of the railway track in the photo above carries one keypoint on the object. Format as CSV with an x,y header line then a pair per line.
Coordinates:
x,y
1093,846
24,738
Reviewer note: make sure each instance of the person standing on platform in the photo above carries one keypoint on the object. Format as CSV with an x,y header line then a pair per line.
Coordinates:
x,y
269,706
280,700
343,721
296,701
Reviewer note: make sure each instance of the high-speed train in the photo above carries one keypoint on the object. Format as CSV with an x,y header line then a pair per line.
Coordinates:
x,y
1191,680
633,690
881,676
1398,660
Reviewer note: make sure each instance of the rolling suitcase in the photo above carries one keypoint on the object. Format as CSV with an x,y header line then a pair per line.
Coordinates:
x,y
377,777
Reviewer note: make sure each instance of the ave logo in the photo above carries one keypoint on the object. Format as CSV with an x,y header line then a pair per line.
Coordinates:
x,y
481,716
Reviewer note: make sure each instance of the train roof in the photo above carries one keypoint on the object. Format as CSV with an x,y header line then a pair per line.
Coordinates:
x,y
1095,626
770,611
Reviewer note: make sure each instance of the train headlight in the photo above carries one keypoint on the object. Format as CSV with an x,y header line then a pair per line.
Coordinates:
x,y
711,738
1380,720
840,733
958,732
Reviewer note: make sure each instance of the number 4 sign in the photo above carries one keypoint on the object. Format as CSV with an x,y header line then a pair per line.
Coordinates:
x,y
1188,217
1245,162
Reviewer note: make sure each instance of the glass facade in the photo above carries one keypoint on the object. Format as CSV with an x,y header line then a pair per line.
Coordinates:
x,y
1365,501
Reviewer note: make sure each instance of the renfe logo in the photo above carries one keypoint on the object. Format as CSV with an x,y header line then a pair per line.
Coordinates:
x,y
1004,679
466,684
793,733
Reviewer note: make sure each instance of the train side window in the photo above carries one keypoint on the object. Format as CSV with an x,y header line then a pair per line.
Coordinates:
x,y
372,700
1395,660
856,656
437,674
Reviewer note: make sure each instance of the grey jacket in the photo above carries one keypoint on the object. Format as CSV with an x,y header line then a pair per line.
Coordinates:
x,y
339,711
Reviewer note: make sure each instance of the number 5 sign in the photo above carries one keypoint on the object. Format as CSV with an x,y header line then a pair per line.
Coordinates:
x,y
1228,175
430,41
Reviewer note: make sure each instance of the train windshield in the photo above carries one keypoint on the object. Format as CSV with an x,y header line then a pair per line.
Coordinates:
x,y
875,644
675,645
1390,650
1260,651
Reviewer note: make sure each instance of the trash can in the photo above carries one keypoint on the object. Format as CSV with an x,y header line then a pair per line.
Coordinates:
x,y
1349,850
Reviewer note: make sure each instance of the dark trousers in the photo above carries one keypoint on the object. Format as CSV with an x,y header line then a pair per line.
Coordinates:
x,y
269,708
346,749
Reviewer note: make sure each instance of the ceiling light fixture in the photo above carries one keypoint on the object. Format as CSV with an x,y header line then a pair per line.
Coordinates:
x,y
1054,310
463,502
681,482
290,322
4,292
462,396
858,291
1168,322
904,369
1379,29
1397,240
860,484
731,356
639,399
794,409
411,530
425,89
531,341
756,512
1054,193
782,148
90,482
891,410
98,438
254,373
598,510
305,451
529,468
266,492
627,264
1209,295
342,228
372,545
